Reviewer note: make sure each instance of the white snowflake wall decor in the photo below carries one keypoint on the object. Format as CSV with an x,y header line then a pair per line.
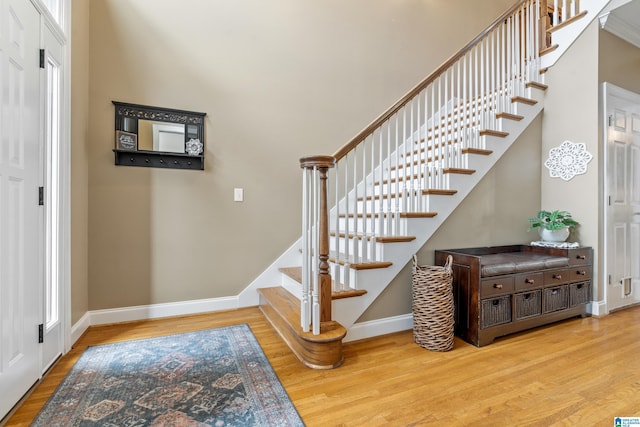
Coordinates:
x,y
568,160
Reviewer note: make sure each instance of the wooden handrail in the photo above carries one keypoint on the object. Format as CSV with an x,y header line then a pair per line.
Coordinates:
x,y
420,86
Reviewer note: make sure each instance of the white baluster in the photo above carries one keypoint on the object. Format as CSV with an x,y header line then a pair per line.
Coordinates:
x,y
304,308
315,211
396,200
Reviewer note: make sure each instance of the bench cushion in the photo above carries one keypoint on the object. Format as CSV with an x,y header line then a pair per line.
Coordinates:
x,y
516,262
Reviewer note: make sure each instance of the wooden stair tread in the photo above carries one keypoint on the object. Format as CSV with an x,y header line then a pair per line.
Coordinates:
x,y
323,351
289,307
480,151
363,265
567,22
404,214
439,192
537,85
447,170
524,100
492,132
509,116
296,274
418,214
461,171
348,293
548,49
379,239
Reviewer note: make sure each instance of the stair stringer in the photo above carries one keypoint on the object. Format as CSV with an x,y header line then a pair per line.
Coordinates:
x,y
272,276
347,311
565,36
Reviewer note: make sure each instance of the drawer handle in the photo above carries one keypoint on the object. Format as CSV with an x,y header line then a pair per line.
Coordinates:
x,y
581,273
557,276
529,281
581,257
497,285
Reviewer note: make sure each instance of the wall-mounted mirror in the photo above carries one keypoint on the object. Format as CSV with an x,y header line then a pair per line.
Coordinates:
x,y
158,137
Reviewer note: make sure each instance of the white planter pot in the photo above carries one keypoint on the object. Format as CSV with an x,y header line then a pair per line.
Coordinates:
x,y
559,235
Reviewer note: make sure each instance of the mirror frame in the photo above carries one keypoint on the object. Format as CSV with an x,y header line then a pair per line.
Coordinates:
x,y
126,132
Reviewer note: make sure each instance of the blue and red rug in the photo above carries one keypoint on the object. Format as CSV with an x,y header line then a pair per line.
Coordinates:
x,y
217,377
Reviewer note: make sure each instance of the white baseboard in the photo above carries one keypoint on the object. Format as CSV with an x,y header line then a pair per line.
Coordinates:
x,y
377,327
153,311
597,308
79,328
143,312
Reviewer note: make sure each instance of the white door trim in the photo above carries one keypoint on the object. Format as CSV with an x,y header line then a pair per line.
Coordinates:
x,y
609,91
63,35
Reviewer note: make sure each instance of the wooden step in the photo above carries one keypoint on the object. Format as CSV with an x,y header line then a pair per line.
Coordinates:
x,y
362,265
379,239
537,85
422,149
493,132
293,272
460,171
548,49
418,214
296,274
567,22
401,214
282,310
524,100
509,116
479,151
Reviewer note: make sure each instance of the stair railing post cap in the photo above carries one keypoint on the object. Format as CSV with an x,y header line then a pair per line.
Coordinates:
x,y
317,161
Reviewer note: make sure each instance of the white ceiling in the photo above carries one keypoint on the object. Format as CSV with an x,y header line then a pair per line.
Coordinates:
x,y
623,20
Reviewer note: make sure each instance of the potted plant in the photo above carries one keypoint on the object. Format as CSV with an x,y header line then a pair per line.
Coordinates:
x,y
553,226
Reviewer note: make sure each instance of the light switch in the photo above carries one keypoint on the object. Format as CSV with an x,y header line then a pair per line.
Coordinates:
x,y
238,194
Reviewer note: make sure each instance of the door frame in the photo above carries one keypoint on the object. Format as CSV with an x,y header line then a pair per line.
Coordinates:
x,y
62,33
608,90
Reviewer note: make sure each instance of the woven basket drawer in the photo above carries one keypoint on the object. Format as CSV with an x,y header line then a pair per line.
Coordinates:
x,y
528,304
555,299
496,311
579,293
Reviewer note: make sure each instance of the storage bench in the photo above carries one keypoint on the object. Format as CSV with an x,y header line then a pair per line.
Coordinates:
x,y
505,289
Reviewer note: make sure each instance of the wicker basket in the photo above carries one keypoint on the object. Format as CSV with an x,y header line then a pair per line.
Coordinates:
x,y
433,323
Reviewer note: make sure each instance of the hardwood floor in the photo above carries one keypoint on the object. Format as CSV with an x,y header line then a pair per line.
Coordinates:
x,y
578,372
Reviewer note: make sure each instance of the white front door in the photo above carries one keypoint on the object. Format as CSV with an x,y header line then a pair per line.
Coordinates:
x,y
20,216
622,192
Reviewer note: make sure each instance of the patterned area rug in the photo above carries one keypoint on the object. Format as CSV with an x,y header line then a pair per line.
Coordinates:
x,y
217,377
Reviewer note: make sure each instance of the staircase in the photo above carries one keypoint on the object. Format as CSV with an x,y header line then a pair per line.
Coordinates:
x,y
376,201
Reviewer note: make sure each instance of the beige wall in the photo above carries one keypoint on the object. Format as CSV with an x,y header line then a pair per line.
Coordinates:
x,y
278,80
619,62
79,159
571,113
